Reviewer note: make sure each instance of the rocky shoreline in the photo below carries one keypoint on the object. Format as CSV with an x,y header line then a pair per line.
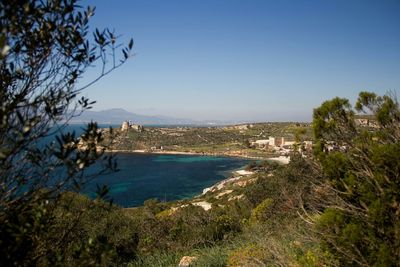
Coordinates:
x,y
235,177
220,190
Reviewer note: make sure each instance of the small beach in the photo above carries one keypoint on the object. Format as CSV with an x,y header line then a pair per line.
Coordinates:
x,y
280,159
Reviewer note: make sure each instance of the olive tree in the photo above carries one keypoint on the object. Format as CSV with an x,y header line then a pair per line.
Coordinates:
x,y
45,48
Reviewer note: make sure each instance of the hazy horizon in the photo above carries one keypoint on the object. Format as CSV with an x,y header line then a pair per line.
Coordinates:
x,y
234,118
247,61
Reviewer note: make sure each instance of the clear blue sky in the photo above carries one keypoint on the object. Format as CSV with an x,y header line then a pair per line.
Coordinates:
x,y
248,60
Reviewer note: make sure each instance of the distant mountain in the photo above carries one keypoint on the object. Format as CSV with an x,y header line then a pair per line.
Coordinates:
x,y
118,115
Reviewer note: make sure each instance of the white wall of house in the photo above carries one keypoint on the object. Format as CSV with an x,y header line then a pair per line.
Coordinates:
x,y
271,141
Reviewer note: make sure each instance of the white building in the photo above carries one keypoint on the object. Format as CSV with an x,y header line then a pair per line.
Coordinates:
x,y
271,141
263,142
125,126
129,125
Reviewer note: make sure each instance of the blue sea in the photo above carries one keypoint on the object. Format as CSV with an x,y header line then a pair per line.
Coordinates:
x,y
165,177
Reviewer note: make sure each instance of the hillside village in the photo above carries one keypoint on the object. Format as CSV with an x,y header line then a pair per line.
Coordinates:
x,y
281,146
257,140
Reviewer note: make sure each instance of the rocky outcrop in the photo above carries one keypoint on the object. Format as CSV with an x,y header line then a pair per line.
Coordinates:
x,y
187,261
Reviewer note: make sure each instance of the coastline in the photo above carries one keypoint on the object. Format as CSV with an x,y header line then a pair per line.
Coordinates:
x,y
279,159
235,174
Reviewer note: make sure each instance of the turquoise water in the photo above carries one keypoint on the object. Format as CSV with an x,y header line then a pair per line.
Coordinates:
x,y
165,177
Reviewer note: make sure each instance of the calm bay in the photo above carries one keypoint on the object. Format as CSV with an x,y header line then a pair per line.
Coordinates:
x,y
165,177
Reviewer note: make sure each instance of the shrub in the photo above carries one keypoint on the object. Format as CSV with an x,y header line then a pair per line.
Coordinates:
x,y
251,255
360,224
262,212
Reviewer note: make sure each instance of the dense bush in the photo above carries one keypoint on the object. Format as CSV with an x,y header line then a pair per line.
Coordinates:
x,y
360,225
46,47
336,208
187,227
250,255
93,223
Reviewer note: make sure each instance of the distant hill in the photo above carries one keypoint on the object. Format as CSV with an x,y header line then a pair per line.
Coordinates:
x,y
118,115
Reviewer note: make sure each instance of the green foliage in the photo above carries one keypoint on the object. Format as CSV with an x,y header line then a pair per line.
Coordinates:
x,y
154,206
78,232
233,140
263,188
226,222
250,255
361,222
384,108
251,166
172,230
338,208
333,120
164,231
215,256
166,234
99,224
170,259
288,186
45,50
261,212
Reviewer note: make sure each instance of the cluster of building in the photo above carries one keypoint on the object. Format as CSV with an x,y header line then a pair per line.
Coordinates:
x,y
366,122
334,146
126,125
239,127
280,145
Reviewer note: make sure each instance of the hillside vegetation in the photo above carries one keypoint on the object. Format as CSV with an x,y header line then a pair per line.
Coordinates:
x,y
337,203
334,207
230,140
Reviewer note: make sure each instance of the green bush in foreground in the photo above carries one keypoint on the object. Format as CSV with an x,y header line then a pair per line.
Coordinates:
x,y
45,49
250,255
261,212
94,223
361,223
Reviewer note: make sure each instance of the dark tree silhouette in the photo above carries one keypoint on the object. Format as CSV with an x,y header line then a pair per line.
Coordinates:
x,y
45,48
